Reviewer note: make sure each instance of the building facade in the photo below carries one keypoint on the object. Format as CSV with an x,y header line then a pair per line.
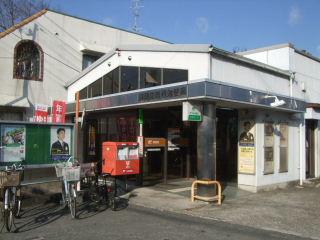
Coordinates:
x,y
252,115
40,54
305,70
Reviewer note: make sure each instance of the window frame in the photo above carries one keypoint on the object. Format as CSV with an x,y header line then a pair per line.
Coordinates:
x,y
15,61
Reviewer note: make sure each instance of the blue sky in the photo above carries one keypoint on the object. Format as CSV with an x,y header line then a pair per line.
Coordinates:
x,y
228,24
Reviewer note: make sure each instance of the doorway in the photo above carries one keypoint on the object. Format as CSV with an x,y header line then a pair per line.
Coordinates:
x,y
311,126
227,145
181,150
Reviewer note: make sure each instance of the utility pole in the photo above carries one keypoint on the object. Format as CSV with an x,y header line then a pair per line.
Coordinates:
x,y
136,6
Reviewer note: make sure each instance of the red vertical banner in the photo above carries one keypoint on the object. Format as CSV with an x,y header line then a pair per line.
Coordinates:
x,y
59,112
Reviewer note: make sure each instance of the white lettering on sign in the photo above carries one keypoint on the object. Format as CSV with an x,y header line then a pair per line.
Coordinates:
x,y
127,164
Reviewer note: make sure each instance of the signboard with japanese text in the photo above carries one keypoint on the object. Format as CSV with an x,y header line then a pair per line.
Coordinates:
x,y
247,147
58,112
191,112
40,113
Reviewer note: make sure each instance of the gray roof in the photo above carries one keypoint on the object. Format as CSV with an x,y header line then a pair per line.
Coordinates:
x,y
197,48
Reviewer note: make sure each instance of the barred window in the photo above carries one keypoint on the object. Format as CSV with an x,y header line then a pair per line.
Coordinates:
x,y
28,60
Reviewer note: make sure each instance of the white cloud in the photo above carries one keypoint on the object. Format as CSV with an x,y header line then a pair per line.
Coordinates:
x,y
294,16
108,21
202,24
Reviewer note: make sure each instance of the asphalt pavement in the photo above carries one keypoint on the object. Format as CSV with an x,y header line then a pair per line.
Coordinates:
x,y
51,221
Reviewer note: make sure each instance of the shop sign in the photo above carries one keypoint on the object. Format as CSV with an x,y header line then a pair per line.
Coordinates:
x,y
162,94
40,113
59,112
155,142
191,112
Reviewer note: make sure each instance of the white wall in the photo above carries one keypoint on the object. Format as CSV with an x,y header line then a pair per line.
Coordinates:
x,y
260,180
293,151
197,65
307,72
61,38
274,57
237,74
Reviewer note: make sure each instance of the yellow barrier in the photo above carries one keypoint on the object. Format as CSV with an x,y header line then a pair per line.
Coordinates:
x,y
208,199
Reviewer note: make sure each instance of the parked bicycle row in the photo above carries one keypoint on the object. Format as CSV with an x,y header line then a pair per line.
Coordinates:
x,y
75,178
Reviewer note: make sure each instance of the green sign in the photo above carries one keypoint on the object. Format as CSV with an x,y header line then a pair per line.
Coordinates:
x,y
196,118
191,112
34,143
141,116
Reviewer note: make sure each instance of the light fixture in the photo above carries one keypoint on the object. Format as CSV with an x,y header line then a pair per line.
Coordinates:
x,y
277,102
129,58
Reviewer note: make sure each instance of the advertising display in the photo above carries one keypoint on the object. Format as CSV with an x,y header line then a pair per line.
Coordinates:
x,y
247,147
12,143
268,148
60,140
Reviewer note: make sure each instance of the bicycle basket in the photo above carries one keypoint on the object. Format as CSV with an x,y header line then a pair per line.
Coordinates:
x,y
71,173
59,167
10,179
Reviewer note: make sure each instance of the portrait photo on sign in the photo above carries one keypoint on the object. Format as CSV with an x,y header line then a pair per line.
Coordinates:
x,y
246,132
12,143
60,142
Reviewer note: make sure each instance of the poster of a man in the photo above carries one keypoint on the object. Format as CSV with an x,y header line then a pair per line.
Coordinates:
x,y
60,139
246,136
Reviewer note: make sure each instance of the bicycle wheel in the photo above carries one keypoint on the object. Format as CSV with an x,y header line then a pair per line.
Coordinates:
x,y
72,200
17,203
17,207
8,212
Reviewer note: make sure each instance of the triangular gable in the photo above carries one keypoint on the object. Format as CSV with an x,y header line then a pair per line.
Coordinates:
x,y
22,23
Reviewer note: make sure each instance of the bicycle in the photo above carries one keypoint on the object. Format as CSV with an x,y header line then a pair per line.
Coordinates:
x,y
10,180
69,172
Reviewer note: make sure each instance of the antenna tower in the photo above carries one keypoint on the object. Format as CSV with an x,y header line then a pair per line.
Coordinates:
x,y
136,6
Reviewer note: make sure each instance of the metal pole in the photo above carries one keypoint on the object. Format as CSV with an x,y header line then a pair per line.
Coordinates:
x,y
165,163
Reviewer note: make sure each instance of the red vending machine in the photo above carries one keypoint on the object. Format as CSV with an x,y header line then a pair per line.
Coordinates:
x,y
120,158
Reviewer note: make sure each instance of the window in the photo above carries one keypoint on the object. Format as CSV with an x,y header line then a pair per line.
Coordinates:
x,y
129,78
268,148
111,82
174,76
28,61
150,77
283,147
88,59
95,88
83,94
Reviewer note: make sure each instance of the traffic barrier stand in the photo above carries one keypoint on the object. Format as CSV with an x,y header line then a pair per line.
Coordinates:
x,y
208,199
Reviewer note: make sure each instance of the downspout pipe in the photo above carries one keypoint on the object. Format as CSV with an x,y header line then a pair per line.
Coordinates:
x,y
301,138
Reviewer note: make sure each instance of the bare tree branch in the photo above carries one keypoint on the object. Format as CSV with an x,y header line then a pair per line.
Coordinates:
x,y
14,11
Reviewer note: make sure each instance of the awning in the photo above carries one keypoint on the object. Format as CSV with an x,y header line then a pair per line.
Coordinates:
x,y
14,101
